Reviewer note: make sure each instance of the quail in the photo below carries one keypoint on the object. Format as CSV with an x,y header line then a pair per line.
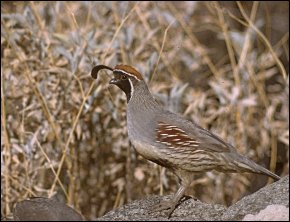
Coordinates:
x,y
172,141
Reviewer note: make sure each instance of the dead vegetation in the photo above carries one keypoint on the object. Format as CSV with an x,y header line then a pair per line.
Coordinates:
x,y
220,64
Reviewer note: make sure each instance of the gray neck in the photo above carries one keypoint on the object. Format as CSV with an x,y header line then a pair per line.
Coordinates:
x,y
141,99
141,112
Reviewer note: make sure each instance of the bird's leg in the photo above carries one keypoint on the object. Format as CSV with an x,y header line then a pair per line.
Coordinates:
x,y
171,204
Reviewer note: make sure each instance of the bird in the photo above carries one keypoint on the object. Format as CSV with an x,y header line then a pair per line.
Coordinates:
x,y
172,141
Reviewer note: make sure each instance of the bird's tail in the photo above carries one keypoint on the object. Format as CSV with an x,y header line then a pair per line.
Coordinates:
x,y
250,166
264,171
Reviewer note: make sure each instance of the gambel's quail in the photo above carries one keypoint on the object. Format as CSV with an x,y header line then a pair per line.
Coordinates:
x,y
172,141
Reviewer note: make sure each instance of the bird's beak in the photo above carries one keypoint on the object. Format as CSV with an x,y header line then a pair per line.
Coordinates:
x,y
113,81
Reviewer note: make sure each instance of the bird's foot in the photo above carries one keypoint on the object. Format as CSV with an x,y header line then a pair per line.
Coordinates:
x,y
169,206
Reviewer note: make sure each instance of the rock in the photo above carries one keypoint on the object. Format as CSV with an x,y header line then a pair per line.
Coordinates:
x,y
276,193
188,210
273,212
44,209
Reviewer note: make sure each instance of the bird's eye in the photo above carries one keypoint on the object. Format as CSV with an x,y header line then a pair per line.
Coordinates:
x,y
123,77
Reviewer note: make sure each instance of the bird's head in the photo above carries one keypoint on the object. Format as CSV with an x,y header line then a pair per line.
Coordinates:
x,y
124,76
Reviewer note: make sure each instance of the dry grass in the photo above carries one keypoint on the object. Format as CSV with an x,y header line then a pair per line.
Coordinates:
x,y
219,64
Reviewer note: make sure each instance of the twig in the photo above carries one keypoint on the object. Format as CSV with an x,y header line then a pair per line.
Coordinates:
x,y
155,41
49,161
279,63
228,43
247,41
189,32
7,148
161,50
83,103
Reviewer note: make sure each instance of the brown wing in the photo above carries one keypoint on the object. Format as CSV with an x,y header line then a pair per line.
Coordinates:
x,y
174,137
192,149
195,138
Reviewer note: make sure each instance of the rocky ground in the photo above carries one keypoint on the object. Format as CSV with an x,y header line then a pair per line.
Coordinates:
x,y
274,196
269,203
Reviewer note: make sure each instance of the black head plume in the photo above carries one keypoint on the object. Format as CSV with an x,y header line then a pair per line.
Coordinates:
x,y
96,69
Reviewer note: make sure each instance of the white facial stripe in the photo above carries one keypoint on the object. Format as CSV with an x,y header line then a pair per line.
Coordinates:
x,y
126,73
132,88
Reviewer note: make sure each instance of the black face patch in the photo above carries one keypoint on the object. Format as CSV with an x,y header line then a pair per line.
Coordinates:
x,y
122,81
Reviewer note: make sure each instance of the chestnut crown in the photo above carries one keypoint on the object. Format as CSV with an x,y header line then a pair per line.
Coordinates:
x,y
124,69
124,76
